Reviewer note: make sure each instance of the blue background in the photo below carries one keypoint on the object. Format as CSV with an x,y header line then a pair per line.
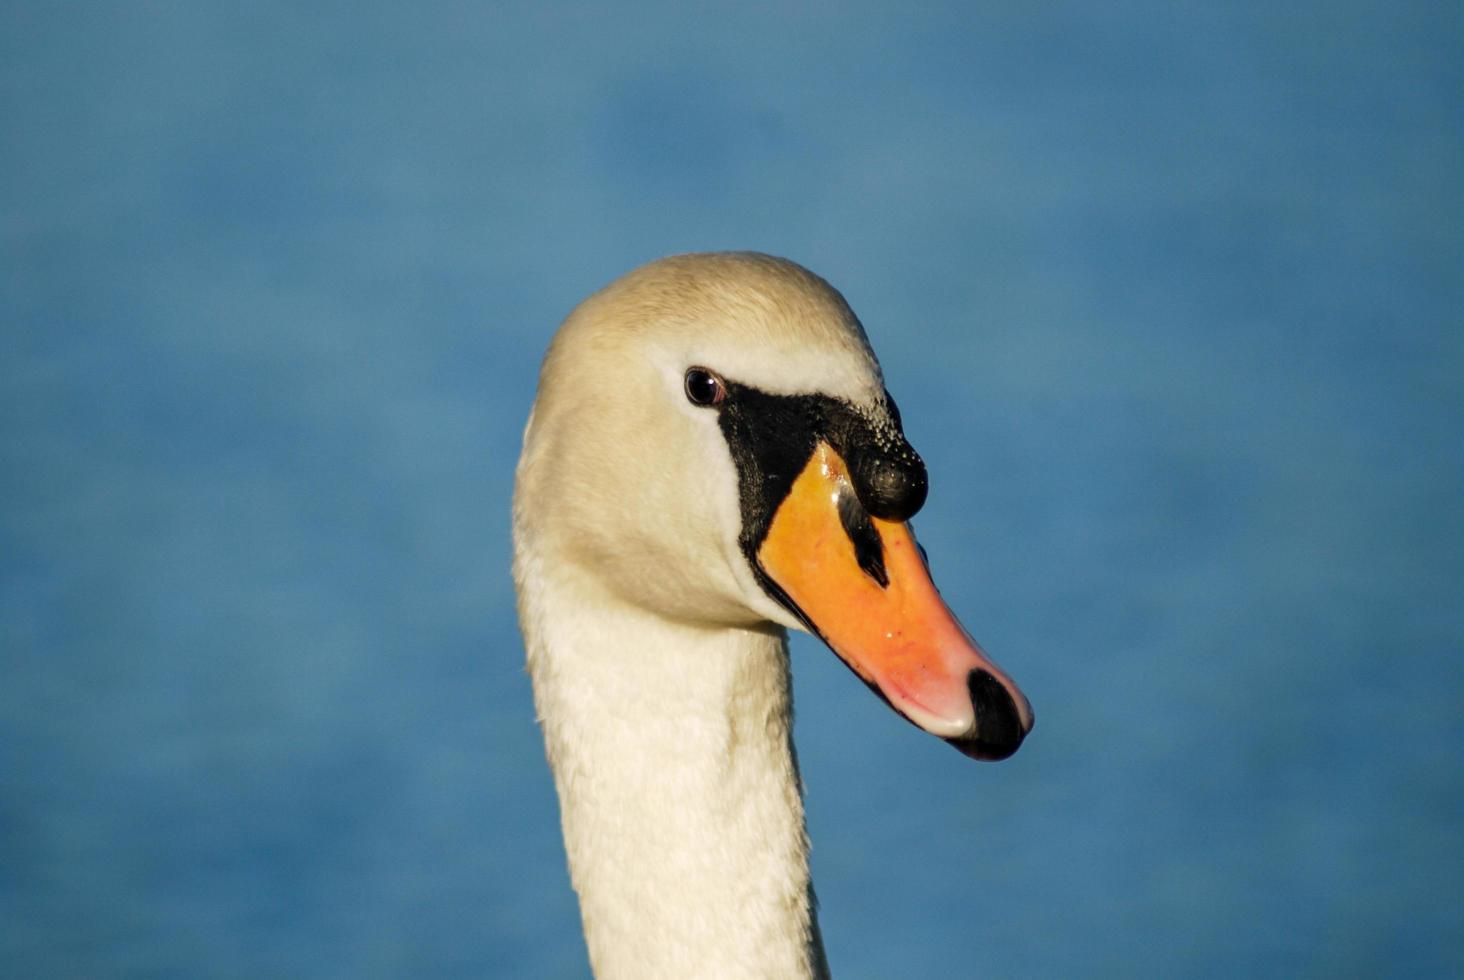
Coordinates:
x,y
1170,296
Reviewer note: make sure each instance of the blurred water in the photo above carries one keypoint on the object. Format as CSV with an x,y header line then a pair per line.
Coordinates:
x,y
1170,297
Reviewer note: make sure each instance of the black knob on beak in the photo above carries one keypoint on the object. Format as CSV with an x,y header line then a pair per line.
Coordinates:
x,y
890,481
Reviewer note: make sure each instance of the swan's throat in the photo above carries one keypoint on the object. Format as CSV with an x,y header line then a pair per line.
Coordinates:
x,y
679,791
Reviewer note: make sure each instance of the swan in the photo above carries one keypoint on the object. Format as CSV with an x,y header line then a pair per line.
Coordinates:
x,y
711,460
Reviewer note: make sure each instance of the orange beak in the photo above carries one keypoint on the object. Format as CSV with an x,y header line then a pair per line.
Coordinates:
x,y
830,557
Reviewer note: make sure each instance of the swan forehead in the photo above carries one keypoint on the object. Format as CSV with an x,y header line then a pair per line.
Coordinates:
x,y
755,319
788,371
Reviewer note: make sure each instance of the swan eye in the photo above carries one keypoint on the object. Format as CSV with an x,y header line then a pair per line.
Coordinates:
x,y
704,388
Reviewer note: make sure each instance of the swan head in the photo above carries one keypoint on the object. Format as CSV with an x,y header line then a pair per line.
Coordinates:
x,y
712,443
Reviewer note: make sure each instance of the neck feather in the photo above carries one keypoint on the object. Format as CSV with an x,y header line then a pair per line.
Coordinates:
x,y
678,787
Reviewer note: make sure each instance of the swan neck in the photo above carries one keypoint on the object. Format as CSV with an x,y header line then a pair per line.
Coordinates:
x,y
679,791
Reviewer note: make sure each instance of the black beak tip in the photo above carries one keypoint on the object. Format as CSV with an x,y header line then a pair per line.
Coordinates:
x,y
998,731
